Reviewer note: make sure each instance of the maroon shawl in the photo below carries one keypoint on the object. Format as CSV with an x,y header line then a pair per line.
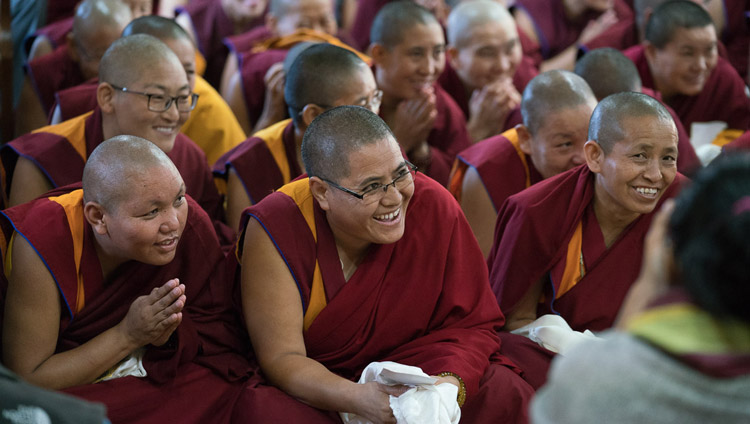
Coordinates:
x,y
52,73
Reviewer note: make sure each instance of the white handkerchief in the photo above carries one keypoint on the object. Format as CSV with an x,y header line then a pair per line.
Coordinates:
x,y
553,333
424,403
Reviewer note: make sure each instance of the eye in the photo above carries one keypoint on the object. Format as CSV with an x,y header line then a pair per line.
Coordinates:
x,y
180,200
565,144
369,188
670,159
152,213
640,156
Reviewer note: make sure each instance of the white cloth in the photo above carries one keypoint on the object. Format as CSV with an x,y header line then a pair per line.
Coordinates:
x,y
131,365
553,333
424,403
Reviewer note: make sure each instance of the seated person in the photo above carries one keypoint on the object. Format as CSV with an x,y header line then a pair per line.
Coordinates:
x,y
686,357
48,38
556,108
144,91
121,297
211,125
408,53
320,77
366,260
210,21
608,71
486,71
96,25
560,27
571,245
678,59
253,82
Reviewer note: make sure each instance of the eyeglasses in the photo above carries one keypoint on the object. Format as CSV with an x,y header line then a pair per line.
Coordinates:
x,y
161,103
375,192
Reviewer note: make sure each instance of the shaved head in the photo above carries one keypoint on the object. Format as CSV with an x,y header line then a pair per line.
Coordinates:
x,y
472,14
157,26
94,16
671,16
335,134
395,18
321,74
606,125
607,71
114,163
552,91
126,57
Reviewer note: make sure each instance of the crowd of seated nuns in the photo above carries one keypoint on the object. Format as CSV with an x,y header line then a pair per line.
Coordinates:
x,y
377,211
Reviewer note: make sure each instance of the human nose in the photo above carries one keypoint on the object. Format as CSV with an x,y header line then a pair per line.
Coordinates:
x,y
396,198
171,221
653,171
172,112
577,159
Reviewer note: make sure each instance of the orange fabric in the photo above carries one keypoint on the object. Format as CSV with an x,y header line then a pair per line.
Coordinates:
x,y
72,129
299,191
200,63
273,137
726,136
72,204
512,136
456,185
574,268
301,35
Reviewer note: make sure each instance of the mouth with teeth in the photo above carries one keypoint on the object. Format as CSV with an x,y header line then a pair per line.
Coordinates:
x,y
648,192
168,245
165,130
389,217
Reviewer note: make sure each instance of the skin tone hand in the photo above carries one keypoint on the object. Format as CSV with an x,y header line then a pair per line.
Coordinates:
x,y
374,402
274,105
594,28
489,108
658,265
153,318
414,119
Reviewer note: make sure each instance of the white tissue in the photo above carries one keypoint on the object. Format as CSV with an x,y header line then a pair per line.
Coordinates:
x,y
424,403
553,333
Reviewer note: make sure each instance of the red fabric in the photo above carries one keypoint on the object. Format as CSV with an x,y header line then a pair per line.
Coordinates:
x,y
360,30
256,167
620,36
61,9
531,49
500,168
52,73
243,43
531,240
736,34
204,355
56,32
253,68
77,100
741,143
439,317
722,98
60,162
556,33
451,82
211,25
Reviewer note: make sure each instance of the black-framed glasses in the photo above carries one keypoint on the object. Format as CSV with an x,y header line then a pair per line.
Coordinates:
x,y
161,103
375,192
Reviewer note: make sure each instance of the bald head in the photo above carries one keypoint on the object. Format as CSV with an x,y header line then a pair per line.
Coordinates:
x,y
607,71
93,17
473,14
320,75
395,18
126,57
553,91
335,134
607,121
671,16
156,26
111,167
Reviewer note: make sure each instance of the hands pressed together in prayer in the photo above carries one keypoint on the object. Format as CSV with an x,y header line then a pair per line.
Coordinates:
x,y
489,108
153,318
412,123
594,28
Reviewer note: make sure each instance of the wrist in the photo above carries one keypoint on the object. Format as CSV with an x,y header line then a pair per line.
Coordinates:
x,y
461,397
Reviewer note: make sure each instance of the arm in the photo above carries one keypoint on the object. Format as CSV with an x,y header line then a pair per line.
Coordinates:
x,y
40,47
479,210
32,320
28,182
29,114
566,59
236,101
274,319
525,310
231,67
274,105
237,199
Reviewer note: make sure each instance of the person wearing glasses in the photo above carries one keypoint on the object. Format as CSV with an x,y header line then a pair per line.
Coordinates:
x,y
366,260
143,91
320,76
114,291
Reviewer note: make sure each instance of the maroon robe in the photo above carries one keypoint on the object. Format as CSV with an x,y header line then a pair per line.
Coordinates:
x,y
741,143
556,33
722,98
56,32
256,167
57,157
244,43
500,168
211,25
736,34
438,317
76,100
205,357
253,68
52,73
451,82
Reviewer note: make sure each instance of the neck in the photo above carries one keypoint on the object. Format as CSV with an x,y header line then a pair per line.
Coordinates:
x,y
109,129
107,262
612,220
298,135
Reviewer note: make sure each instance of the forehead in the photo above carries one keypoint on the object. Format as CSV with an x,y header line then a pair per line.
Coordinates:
x,y
649,130
430,34
182,47
357,82
489,33
156,183
693,37
165,72
571,119
376,159
308,7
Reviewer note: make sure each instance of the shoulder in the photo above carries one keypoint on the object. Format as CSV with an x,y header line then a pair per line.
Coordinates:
x,y
494,149
432,200
551,191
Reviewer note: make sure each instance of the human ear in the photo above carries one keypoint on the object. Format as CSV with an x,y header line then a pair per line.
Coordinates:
x,y
319,191
72,48
452,53
94,214
594,155
524,138
310,112
105,97
377,52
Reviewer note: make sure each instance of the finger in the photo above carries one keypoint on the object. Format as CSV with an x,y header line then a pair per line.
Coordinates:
x,y
159,292
169,298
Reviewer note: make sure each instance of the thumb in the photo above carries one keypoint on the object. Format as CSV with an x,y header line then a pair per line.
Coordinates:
x,y
394,390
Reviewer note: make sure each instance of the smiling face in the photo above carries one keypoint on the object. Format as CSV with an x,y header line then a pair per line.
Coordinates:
x,y
355,224
359,90
558,143
492,53
129,113
684,64
183,48
405,69
317,15
146,224
244,11
632,177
